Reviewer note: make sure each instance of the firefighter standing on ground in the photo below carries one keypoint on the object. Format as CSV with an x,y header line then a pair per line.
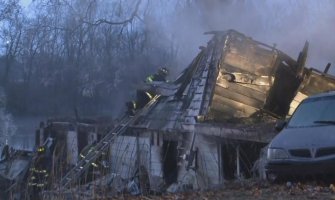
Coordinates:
x,y
39,172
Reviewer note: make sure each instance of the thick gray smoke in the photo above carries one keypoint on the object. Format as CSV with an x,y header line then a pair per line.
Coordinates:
x,y
288,23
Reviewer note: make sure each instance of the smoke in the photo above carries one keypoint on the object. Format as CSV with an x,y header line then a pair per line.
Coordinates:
x,y
7,126
288,23
114,59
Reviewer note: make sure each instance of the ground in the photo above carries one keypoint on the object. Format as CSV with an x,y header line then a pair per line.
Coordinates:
x,y
253,189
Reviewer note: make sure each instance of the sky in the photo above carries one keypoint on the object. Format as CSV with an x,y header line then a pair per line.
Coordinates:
x,y
25,2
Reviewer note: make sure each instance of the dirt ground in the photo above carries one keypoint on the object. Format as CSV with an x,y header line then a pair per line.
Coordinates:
x,y
252,189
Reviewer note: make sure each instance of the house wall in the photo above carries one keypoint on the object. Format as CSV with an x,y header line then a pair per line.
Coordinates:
x,y
156,165
205,171
127,153
72,147
208,173
92,137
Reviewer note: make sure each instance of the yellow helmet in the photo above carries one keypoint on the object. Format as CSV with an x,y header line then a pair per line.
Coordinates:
x,y
164,71
41,149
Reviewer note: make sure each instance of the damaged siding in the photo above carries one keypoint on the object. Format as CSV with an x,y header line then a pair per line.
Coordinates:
x,y
208,171
127,154
72,147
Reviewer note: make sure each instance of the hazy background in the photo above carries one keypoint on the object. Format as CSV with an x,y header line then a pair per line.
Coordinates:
x,y
288,23
58,56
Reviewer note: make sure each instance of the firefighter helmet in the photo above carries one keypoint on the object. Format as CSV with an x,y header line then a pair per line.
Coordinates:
x,y
164,71
41,149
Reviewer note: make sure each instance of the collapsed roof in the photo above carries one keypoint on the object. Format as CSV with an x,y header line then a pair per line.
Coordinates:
x,y
234,79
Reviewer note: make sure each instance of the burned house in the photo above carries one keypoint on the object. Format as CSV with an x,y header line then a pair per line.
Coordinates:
x,y
210,124
211,127
206,127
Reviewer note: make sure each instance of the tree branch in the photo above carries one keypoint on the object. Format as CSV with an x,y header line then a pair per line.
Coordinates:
x,y
126,21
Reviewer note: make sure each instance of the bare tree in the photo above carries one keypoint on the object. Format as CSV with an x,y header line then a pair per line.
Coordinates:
x,y
11,34
8,8
82,53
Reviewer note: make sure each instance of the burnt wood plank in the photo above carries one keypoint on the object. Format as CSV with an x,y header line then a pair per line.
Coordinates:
x,y
227,105
228,93
250,61
243,89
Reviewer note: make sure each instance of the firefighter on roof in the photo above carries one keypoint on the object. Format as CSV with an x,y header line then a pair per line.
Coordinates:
x,y
159,76
144,96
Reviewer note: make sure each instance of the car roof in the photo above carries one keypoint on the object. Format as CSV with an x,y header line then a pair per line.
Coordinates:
x,y
324,94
